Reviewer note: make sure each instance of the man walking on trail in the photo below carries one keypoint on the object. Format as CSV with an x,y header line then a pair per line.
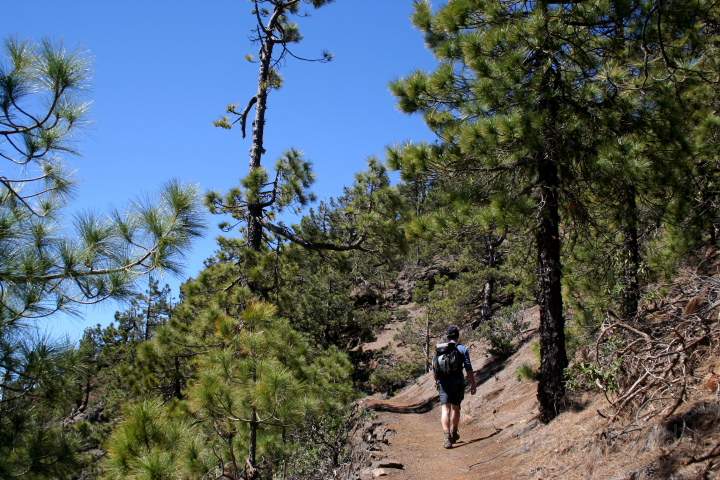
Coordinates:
x,y
451,358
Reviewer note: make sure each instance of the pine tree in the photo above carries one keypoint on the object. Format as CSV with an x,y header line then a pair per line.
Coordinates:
x,y
681,69
265,377
571,113
254,369
261,199
40,271
154,441
36,393
518,100
45,386
146,312
458,221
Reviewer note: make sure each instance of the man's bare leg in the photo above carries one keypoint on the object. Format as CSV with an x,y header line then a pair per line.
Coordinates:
x,y
445,417
446,420
455,417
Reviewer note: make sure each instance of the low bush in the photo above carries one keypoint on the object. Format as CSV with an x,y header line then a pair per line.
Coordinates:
x,y
392,377
526,372
503,331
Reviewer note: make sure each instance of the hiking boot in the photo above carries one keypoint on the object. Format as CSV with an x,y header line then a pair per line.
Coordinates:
x,y
448,441
455,436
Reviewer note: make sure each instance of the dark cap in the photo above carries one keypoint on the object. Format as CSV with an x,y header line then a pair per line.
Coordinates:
x,y
453,332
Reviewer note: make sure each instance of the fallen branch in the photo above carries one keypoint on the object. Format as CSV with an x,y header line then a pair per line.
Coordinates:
x,y
660,353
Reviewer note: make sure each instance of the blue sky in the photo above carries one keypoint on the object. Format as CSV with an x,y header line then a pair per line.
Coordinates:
x,y
163,70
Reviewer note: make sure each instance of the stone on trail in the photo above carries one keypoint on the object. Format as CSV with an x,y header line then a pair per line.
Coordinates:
x,y
385,463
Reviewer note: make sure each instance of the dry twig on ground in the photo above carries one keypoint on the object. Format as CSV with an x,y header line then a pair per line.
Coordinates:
x,y
660,351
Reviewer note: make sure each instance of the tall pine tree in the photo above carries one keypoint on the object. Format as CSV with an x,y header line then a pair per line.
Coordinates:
x,y
518,99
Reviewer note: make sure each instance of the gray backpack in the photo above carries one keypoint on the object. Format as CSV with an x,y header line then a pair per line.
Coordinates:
x,y
448,360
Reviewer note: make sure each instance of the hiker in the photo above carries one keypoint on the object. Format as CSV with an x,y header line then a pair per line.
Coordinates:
x,y
451,358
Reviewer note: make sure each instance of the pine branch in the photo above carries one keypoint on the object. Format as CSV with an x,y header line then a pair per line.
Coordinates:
x,y
294,237
243,121
39,124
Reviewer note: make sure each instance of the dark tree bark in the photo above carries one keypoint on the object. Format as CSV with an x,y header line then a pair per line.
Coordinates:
x,y
631,262
492,260
553,356
252,454
267,44
551,388
629,222
178,380
255,210
708,211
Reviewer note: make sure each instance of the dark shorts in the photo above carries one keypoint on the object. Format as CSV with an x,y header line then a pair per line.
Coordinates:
x,y
452,391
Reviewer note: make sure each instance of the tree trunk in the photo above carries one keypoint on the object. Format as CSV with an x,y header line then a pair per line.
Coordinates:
x,y
551,388
252,454
492,244
177,383
148,312
631,263
255,210
707,208
487,303
427,343
489,288
419,199
251,472
486,309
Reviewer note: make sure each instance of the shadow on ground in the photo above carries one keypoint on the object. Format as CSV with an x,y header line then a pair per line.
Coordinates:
x,y
475,440
482,375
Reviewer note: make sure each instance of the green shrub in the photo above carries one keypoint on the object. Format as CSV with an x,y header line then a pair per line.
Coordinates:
x,y
391,378
585,376
535,348
503,331
526,372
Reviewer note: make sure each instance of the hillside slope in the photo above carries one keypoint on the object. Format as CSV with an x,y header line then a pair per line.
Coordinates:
x,y
501,437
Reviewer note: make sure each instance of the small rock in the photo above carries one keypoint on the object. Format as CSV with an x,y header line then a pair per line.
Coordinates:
x,y
379,472
387,463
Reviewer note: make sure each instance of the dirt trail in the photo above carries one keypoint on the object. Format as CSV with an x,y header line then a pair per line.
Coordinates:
x,y
417,444
485,436
500,435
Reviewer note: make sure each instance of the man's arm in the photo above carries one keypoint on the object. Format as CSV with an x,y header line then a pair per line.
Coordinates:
x,y
469,371
471,381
